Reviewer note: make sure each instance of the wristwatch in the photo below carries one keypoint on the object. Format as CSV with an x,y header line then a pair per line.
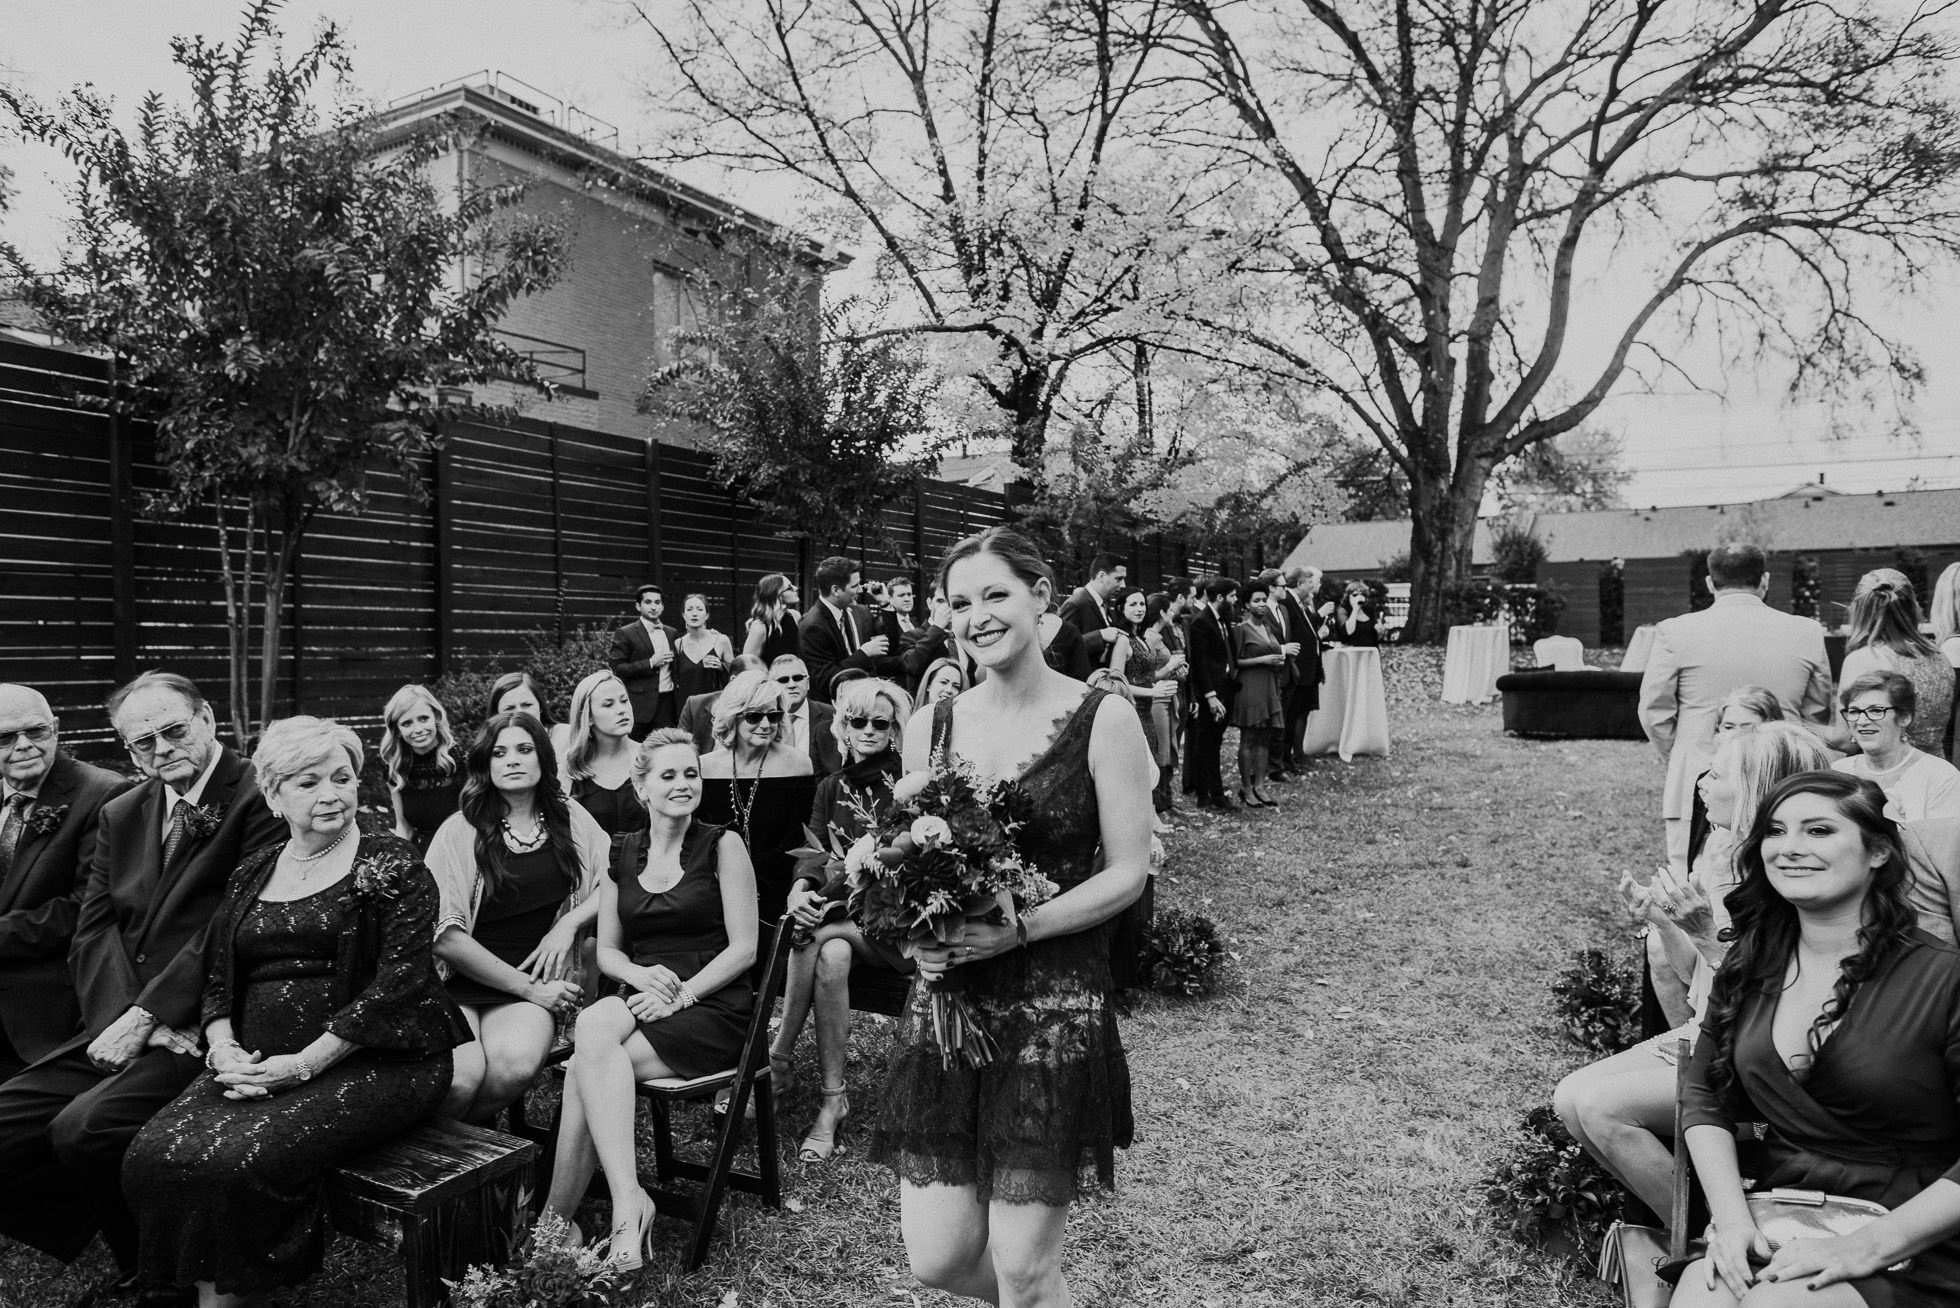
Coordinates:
x,y
305,1068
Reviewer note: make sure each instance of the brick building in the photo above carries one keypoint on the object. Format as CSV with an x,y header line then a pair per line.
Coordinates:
x,y
637,235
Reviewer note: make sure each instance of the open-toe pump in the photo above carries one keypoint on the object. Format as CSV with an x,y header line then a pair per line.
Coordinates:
x,y
639,1228
818,1146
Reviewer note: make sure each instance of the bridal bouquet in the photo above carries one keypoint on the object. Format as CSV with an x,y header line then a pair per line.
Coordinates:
x,y
943,855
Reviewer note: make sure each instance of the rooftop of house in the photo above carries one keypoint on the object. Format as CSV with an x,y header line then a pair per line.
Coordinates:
x,y
1366,546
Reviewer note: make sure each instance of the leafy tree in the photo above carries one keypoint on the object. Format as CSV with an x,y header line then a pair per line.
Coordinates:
x,y
822,427
279,295
1452,185
999,155
1579,470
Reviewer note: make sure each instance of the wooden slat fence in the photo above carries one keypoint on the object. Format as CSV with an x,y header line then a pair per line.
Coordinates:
x,y
526,526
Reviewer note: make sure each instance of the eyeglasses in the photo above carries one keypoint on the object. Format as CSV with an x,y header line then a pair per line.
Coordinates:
x,y
876,724
145,746
791,678
756,717
35,736
1867,714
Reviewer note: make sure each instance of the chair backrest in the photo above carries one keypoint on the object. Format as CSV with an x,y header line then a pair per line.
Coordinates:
x,y
1684,1208
775,966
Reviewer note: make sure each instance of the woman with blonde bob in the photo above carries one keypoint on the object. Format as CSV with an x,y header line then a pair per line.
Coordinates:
x,y
424,765
869,723
328,1031
1621,1109
598,768
677,932
517,867
756,785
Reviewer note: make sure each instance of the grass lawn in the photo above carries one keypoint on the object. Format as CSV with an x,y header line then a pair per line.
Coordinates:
x,y
1314,1132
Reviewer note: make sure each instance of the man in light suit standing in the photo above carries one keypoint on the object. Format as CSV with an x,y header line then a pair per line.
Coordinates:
x,y
1700,657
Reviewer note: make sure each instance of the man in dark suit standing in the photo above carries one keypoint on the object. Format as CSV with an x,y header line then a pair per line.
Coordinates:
x,y
1084,609
918,644
642,656
807,724
48,808
1212,688
837,633
1302,694
163,854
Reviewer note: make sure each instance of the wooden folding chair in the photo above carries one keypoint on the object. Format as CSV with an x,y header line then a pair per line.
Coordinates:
x,y
1688,1211
751,1075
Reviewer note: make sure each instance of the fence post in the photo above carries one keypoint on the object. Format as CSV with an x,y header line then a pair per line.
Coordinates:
x,y
122,540
557,537
919,527
443,474
654,551
296,635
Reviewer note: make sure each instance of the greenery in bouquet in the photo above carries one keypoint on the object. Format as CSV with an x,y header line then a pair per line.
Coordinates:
x,y
548,1271
944,854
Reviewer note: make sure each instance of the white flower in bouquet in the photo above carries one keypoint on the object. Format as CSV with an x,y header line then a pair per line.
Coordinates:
x,y
910,786
859,857
931,832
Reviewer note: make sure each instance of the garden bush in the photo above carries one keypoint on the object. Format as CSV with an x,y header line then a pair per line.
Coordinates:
x,y
558,667
1549,1187
1598,1002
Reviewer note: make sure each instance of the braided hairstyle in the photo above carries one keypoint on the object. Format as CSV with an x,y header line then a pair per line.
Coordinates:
x,y
1763,927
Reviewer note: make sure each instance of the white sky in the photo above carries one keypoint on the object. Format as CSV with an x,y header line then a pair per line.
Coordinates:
x,y
1684,448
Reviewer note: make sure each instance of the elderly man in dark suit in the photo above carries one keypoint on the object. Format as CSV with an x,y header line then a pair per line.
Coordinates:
x,y
48,808
837,633
163,854
642,657
807,724
1086,610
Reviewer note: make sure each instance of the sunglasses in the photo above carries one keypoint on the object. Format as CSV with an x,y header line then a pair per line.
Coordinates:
x,y
34,736
791,678
145,746
756,717
1867,714
860,722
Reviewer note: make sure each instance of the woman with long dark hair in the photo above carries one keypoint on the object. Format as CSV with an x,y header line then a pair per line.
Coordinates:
x,y
1836,1020
771,629
991,1159
516,868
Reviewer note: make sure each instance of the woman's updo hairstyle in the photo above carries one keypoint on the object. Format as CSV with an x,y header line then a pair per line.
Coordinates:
x,y
1885,612
657,740
1019,553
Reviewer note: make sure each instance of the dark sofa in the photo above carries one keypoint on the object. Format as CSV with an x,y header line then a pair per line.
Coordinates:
x,y
1584,705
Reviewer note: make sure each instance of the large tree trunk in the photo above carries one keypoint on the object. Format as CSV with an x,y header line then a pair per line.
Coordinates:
x,y
1442,533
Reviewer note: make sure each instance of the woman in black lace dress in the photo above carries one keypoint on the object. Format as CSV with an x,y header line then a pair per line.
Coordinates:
x,y
677,932
598,767
990,1159
425,767
329,1034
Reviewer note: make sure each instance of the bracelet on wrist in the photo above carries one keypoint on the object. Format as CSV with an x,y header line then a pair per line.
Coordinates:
x,y
687,996
305,1069
211,1053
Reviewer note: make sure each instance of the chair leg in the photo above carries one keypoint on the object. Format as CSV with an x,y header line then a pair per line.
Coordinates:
x,y
715,1186
421,1275
766,1145
663,1140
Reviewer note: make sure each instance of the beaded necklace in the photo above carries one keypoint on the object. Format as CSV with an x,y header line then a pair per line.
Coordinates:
x,y
744,807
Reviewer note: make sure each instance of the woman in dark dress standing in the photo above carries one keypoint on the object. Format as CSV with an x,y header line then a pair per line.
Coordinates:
x,y
702,656
757,786
1835,1020
517,868
1259,712
990,1159
869,722
598,768
771,630
424,764
677,931
328,1031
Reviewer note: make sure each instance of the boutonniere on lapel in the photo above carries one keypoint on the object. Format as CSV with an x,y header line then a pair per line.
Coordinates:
x,y
203,821
380,877
47,819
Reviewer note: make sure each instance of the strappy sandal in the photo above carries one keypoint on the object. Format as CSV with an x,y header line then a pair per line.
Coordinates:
x,y
818,1148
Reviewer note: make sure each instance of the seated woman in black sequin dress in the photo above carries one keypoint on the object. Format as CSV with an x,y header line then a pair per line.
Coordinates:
x,y
869,722
1834,1019
424,765
677,931
329,1034
517,868
598,767
758,786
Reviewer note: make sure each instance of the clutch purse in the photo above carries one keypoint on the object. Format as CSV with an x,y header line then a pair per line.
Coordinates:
x,y
1786,1215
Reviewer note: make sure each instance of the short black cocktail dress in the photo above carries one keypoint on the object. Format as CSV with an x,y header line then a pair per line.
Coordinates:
x,y
514,917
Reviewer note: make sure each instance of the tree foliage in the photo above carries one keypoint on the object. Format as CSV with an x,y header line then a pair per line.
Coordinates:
x,y
278,290
1481,214
999,156
822,427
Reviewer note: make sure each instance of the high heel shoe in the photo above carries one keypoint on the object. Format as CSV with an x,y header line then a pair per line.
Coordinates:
x,y
634,1257
1264,802
818,1148
1246,800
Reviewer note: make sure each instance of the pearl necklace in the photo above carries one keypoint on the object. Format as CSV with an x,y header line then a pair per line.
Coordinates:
x,y
338,841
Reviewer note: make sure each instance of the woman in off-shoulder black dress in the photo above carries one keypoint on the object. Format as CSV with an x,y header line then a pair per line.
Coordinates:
x,y
1037,1128
332,989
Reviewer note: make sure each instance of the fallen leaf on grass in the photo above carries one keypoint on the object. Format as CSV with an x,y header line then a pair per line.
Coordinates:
x,y
794,1205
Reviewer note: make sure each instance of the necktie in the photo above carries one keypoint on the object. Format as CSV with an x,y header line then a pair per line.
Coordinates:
x,y
10,827
851,641
179,825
